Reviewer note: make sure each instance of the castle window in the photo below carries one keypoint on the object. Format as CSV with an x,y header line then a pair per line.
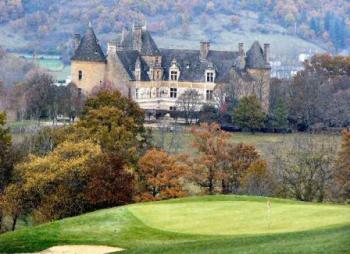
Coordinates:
x,y
172,108
210,76
173,92
173,75
80,75
209,95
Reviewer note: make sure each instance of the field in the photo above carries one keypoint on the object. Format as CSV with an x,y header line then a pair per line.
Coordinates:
x,y
262,141
216,224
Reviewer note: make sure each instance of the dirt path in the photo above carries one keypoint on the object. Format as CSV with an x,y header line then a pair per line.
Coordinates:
x,y
80,249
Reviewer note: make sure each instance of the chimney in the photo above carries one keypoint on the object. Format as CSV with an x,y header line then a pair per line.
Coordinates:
x,y
76,41
111,48
241,49
138,37
267,53
204,50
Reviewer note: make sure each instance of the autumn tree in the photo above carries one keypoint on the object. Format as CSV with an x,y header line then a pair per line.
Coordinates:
x,y
115,123
160,176
258,180
249,114
55,184
342,169
211,144
111,183
239,159
6,162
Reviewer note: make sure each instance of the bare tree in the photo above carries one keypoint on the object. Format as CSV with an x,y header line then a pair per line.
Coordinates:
x,y
189,103
303,166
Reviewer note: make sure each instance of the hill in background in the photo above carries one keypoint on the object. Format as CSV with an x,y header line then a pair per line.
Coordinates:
x,y
292,26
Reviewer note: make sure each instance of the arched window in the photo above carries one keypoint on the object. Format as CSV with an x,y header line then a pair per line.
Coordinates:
x,y
80,75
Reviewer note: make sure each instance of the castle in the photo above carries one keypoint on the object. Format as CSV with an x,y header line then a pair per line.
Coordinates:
x,y
155,77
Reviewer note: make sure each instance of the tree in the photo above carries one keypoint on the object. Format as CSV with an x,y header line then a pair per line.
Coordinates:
x,y
55,184
211,144
160,176
111,183
115,123
239,159
6,162
41,97
342,169
189,103
249,114
5,150
258,180
14,203
209,114
280,115
303,166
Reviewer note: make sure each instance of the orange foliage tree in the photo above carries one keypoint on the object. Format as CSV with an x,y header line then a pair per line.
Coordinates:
x,y
220,165
161,176
211,144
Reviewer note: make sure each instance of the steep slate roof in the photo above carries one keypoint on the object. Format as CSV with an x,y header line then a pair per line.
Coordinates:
x,y
128,59
89,49
193,69
255,57
149,47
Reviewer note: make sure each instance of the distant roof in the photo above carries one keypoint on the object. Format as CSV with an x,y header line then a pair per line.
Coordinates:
x,y
255,57
89,49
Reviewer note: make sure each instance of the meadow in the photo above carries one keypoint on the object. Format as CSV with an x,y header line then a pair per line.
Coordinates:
x,y
210,224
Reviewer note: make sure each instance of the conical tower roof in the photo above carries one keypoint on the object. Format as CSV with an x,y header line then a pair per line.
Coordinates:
x,y
255,57
89,49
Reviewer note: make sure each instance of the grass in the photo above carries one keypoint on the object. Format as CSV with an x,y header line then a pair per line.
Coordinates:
x,y
262,141
216,224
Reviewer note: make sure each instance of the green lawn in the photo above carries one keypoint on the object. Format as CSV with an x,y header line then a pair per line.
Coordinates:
x,y
216,224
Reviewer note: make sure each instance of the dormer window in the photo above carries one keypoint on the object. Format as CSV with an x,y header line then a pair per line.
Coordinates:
x,y
210,76
173,75
174,72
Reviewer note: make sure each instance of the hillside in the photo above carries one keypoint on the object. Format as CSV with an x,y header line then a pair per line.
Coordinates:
x,y
212,224
291,26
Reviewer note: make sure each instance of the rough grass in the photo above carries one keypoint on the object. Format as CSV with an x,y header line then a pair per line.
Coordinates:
x,y
326,228
262,141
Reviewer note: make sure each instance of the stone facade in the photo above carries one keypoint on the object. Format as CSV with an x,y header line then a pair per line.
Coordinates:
x,y
155,78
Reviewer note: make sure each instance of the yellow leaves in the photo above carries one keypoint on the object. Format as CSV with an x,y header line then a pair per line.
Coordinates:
x,y
66,159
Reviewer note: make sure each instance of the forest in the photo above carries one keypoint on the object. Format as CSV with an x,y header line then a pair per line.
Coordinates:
x,y
50,23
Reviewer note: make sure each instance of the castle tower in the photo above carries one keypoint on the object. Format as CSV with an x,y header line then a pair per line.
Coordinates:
x,y
258,66
88,63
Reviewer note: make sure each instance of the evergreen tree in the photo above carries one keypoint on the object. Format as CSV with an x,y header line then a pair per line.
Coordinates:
x,y
249,114
280,115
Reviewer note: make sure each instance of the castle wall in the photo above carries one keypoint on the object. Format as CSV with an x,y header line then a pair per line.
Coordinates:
x,y
261,86
156,94
116,75
93,74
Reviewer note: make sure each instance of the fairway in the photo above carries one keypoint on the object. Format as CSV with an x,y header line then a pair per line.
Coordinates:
x,y
198,225
239,217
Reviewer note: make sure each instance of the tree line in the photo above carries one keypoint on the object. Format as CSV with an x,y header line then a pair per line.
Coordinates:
x,y
106,159
315,100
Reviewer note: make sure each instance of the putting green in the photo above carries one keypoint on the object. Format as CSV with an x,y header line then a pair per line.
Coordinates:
x,y
239,217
